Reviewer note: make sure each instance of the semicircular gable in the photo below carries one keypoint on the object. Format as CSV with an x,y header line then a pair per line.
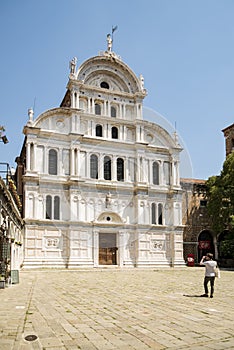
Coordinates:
x,y
101,67
57,119
156,135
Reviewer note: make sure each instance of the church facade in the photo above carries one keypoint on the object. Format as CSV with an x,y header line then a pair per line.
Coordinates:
x,y
101,185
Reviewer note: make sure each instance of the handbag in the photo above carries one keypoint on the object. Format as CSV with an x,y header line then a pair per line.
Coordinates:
x,y
217,272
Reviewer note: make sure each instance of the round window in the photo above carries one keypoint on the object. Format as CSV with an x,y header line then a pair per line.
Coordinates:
x,y
104,85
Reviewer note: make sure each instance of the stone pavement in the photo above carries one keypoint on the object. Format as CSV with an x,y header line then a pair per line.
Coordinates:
x,y
110,309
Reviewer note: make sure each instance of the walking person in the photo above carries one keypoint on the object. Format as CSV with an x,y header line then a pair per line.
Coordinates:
x,y
210,266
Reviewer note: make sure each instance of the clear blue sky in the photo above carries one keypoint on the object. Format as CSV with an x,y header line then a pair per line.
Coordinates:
x,y
183,48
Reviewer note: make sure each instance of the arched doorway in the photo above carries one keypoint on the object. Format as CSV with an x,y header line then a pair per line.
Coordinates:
x,y
205,244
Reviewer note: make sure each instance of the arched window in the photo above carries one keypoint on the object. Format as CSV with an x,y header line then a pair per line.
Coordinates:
x,y
97,108
160,214
53,162
153,214
114,132
48,207
120,169
52,208
94,166
205,243
56,208
155,173
99,130
104,85
113,112
107,168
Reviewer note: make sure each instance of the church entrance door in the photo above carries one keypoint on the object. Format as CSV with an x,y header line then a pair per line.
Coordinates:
x,y
107,249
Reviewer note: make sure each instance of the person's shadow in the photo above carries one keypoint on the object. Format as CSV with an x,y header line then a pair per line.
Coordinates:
x,y
193,296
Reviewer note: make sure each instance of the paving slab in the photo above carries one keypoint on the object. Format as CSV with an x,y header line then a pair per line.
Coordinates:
x,y
111,309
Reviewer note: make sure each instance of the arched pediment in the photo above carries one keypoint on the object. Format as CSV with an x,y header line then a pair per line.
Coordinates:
x,y
109,217
156,135
57,120
114,72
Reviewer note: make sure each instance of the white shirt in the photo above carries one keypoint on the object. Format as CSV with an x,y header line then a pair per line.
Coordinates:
x,y
210,268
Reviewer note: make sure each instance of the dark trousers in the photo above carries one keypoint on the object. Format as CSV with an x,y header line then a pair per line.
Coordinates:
x,y
206,281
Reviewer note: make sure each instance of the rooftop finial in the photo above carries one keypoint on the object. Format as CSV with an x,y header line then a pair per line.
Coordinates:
x,y
110,39
109,43
30,114
72,65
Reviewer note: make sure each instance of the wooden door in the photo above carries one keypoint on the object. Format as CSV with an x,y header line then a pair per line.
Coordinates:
x,y
107,249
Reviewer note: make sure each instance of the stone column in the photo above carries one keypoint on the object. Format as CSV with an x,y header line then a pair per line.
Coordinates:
x,y
114,168
72,161
60,161
93,106
101,167
28,156
95,248
34,156
77,99
121,249
88,164
138,133
126,170
89,108
77,165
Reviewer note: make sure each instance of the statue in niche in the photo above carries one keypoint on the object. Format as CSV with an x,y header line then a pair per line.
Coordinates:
x,y
109,43
108,200
72,65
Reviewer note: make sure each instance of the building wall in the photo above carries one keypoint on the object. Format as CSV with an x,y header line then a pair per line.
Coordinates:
x,y
134,202
11,231
229,139
198,236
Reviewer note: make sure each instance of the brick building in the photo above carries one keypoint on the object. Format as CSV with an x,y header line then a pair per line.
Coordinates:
x,y
229,138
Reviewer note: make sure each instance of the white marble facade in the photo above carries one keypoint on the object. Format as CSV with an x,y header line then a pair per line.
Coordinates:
x,y
101,183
